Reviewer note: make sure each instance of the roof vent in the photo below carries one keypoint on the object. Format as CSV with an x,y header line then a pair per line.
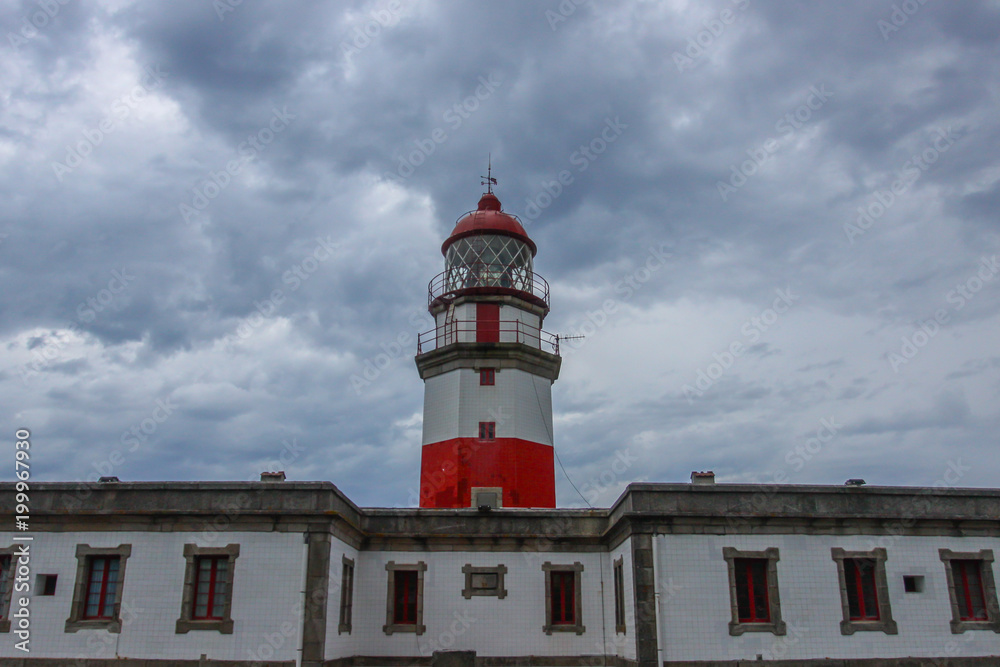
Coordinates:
x,y
273,476
705,477
108,478
855,482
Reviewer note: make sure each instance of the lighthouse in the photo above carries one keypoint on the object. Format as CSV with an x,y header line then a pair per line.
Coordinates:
x,y
488,368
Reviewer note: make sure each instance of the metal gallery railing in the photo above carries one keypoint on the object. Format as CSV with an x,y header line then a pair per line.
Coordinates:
x,y
493,331
458,280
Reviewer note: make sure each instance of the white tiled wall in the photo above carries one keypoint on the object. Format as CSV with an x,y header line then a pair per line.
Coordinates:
x,y
267,597
694,608
520,403
491,626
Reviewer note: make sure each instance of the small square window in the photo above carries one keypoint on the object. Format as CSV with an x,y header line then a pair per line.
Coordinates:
x,y
45,584
913,583
487,377
487,430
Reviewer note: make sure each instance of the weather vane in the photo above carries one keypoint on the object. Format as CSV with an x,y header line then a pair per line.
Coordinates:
x,y
490,181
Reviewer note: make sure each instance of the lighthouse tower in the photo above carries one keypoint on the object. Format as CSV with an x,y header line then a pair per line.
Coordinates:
x,y
488,369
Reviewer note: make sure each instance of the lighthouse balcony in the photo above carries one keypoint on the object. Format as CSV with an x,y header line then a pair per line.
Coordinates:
x,y
473,279
489,332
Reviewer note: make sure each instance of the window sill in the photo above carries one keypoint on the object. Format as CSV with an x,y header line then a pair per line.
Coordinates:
x,y
737,629
109,624
222,626
404,627
958,627
850,627
578,629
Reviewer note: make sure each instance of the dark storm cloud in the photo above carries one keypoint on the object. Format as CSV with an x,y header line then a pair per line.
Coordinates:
x,y
257,310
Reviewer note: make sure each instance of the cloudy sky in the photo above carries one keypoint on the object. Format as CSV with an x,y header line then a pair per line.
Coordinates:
x,y
777,228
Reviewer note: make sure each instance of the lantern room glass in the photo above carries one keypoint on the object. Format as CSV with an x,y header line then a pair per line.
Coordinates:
x,y
488,260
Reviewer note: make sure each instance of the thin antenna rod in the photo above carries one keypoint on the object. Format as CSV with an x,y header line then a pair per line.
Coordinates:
x,y
490,181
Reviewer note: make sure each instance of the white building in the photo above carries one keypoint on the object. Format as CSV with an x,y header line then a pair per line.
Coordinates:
x,y
488,573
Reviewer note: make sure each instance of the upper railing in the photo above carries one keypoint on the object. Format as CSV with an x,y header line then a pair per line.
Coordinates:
x,y
502,331
482,278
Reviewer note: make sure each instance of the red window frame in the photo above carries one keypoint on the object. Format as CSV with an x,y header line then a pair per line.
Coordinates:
x,y
487,377
210,588
404,594
101,565
967,586
750,593
862,593
487,430
562,596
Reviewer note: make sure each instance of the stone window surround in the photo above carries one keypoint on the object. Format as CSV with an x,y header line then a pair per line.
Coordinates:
x,y
476,490
577,569
884,623
419,628
500,592
5,602
84,553
618,568
985,556
223,625
346,596
776,625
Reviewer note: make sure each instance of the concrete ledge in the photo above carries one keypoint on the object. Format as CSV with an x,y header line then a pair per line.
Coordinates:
x,y
847,662
136,662
488,661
